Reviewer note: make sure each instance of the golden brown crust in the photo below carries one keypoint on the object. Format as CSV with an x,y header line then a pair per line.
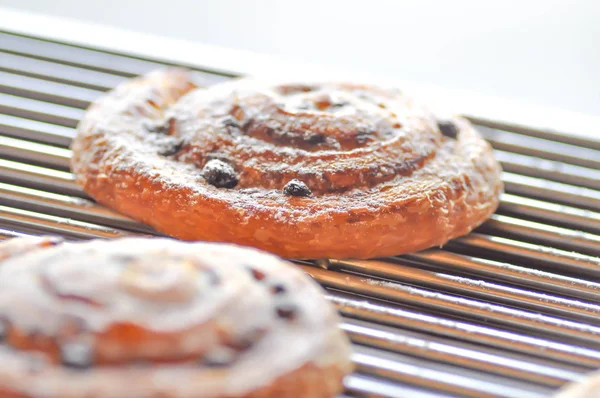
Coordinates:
x,y
149,318
384,180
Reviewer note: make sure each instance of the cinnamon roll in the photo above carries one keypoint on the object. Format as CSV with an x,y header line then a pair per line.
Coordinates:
x,y
15,247
309,170
150,318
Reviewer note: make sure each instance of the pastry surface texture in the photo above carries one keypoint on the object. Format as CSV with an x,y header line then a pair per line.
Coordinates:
x,y
587,387
150,318
319,170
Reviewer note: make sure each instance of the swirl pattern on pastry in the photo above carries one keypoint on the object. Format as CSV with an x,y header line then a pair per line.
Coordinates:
x,y
142,318
301,170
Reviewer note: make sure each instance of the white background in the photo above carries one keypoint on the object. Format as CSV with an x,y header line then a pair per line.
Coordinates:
x,y
540,52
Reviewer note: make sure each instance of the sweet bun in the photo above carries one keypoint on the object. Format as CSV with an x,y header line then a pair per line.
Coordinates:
x,y
301,170
150,318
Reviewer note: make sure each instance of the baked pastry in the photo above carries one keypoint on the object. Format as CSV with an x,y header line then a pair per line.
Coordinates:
x,y
587,387
301,170
150,318
16,247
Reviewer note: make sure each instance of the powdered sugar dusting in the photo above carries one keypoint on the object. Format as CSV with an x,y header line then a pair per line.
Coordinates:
x,y
362,152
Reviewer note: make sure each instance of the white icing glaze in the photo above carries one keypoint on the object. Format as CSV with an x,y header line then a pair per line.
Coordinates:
x,y
15,247
124,281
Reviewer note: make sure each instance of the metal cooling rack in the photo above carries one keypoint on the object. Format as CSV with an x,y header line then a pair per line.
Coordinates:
x,y
512,310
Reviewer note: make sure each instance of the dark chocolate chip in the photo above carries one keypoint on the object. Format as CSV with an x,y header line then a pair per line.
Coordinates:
x,y
171,148
218,357
286,311
278,289
296,188
161,127
219,174
76,355
315,139
256,274
269,131
448,128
